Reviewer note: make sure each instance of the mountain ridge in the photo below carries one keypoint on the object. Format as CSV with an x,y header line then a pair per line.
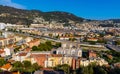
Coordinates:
x,y
22,16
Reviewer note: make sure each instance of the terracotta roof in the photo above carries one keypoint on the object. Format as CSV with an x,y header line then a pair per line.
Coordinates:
x,y
44,55
6,66
56,55
34,41
1,51
40,55
22,54
27,49
2,38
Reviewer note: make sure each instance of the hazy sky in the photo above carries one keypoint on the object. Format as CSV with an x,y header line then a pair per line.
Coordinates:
x,y
92,9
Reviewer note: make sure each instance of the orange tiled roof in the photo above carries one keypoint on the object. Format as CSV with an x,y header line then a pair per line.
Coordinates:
x,y
56,55
1,51
27,49
40,55
7,66
22,54
2,38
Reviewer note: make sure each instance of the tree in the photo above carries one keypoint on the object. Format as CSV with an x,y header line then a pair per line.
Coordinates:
x,y
58,44
50,35
99,70
17,64
36,66
64,67
2,62
34,48
26,64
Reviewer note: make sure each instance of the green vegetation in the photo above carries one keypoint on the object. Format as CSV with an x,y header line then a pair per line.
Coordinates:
x,y
64,67
20,16
47,46
115,56
2,62
17,49
117,42
91,69
94,42
72,39
25,66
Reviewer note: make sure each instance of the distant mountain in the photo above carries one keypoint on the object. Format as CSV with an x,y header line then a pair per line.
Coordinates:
x,y
20,16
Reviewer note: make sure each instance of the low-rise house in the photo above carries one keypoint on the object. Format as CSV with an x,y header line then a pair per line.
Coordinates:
x,y
98,61
27,50
21,56
7,51
35,42
69,48
75,63
2,53
7,41
39,59
73,51
92,39
53,60
92,54
6,67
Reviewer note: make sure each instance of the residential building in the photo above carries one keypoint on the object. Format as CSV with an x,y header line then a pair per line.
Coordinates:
x,y
35,42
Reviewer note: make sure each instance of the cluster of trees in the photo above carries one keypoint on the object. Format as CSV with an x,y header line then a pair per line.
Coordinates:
x,y
94,69
91,69
117,42
25,66
47,46
65,67
115,55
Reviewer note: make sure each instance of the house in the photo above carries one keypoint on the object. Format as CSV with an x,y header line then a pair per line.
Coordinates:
x,y
98,61
39,59
21,56
7,51
71,49
75,63
27,50
92,54
2,53
84,62
7,41
66,59
6,67
109,56
28,39
53,60
34,42
92,39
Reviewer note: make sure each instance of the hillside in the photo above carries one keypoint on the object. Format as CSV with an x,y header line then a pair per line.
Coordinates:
x,y
20,16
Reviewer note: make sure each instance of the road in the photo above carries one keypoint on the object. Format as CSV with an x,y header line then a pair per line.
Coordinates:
x,y
113,47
